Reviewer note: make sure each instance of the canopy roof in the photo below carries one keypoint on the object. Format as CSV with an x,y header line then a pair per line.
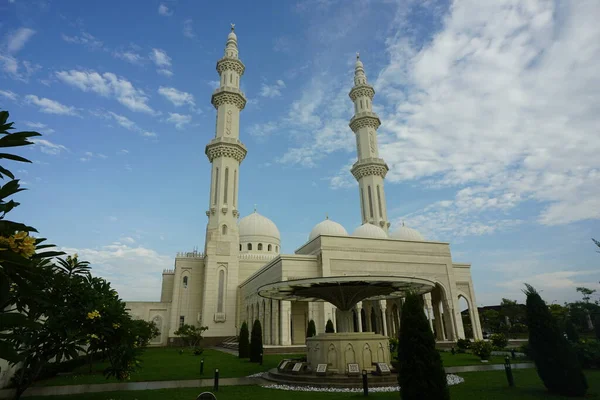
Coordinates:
x,y
345,291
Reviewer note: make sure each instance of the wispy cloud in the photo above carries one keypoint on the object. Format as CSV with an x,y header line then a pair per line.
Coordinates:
x,y
188,29
8,94
48,147
39,126
108,85
129,124
273,90
85,39
164,10
179,120
17,39
129,56
162,61
177,97
49,106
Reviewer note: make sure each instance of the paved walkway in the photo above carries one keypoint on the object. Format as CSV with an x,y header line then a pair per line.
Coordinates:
x,y
196,383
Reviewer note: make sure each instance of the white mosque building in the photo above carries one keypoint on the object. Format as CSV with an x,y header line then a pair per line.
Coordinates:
x,y
219,288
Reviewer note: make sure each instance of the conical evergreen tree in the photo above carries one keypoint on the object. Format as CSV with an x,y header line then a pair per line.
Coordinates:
x,y
555,360
421,374
244,342
329,327
312,329
256,345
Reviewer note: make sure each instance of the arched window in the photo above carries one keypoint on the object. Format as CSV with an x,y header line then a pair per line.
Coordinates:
x,y
185,282
276,249
226,184
379,202
221,291
240,247
216,186
249,246
231,78
234,187
260,246
224,230
370,201
270,248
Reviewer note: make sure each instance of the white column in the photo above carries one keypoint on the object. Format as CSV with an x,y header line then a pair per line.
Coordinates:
x,y
429,308
285,318
359,315
383,307
334,318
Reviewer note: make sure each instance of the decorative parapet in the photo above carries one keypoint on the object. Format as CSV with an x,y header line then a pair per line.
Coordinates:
x,y
368,167
364,119
232,64
168,271
258,257
228,95
226,147
190,254
362,90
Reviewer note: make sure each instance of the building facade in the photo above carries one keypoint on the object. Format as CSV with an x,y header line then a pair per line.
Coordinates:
x,y
218,287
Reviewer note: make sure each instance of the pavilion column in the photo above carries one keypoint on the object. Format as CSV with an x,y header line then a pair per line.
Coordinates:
x,y
285,318
345,321
449,320
429,307
383,307
359,315
275,322
334,318
437,315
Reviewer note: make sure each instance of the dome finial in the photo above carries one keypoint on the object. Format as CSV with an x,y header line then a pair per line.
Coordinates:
x,y
326,216
232,27
254,207
402,222
357,55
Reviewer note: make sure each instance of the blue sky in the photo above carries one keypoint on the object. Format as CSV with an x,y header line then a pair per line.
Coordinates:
x,y
489,110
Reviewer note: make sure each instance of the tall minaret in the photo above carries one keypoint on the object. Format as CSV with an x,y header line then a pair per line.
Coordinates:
x,y
225,152
369,170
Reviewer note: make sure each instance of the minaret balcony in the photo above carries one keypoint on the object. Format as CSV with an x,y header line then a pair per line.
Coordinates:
x,y
368,167
228,95
364,119
230,64
226,147
362,90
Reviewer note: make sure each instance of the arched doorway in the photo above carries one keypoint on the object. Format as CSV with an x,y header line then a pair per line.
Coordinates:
x,y
465,314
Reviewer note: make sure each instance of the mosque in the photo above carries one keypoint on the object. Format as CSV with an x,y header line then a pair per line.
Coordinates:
x,y
224,286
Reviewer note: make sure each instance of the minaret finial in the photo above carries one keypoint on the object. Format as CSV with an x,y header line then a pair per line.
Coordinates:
x,y
402,222
255,208
232,27
357,55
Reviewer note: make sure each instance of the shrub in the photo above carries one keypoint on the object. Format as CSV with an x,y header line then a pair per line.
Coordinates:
x,y
482,349
588,353
256,345
329,327
198,351
499,341
244,342
421,373
597,326
463,344
312,329
571,331
555,360
393,345
525,349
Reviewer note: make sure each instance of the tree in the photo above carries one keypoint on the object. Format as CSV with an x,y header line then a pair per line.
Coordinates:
x,y
256,345
555,360
571,331
311,330
244,343
586,293
491,320
191,335
421,374
329,327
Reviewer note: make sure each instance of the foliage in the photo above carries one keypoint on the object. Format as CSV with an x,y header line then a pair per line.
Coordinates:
x,y
421,373
571,331
482,349
311,330
499,341
586,293
588,353
256,345
329,328
463,344
244,342
555,359
393,345
492,320
525,349
597,326
191,335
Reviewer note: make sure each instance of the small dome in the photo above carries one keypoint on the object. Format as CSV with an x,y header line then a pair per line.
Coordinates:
x,y
370,231
232,36
256,225
406,233
327,227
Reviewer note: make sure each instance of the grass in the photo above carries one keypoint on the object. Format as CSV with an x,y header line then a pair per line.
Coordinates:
x,y
478,385
165,363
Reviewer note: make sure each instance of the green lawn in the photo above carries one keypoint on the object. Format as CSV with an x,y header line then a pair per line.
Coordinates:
x,y
165,363
478,385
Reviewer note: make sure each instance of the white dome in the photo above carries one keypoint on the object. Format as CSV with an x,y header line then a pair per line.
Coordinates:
x,y
327,227
406,233
370,231
256,225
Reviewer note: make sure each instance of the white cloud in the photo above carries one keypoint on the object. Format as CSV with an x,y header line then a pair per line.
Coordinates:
x,y
8,94
16,40
50,106
188,29
213,84
38,125
48,147
164,10
162,61
179,120
129,56
108,84
149,134
85,39
112,218
495,101
272,90
134,272
129,124
123,152
177,97
263,130
127,239
20,70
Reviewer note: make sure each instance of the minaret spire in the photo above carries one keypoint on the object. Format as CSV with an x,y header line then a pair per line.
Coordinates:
x,y
369,170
